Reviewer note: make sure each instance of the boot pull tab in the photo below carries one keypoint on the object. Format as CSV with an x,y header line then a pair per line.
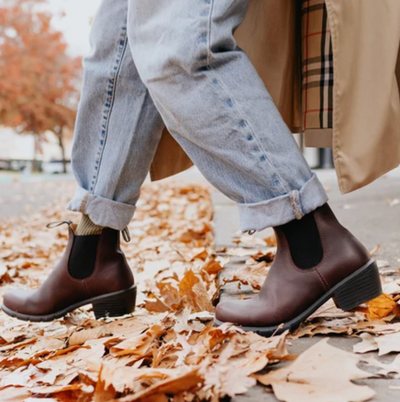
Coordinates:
x,y
126,235
53,225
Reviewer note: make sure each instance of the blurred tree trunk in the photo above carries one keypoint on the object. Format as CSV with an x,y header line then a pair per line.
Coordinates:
x,y
36,151
60,136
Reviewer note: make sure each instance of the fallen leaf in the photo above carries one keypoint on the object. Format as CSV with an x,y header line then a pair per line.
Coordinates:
x,y
385,370
380,307
271,241
388,343
320,374
138,345
212,267
368,344
253,276
14,394
375,250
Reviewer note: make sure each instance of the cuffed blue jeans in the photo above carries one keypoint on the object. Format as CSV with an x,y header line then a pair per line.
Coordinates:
x,y
176,63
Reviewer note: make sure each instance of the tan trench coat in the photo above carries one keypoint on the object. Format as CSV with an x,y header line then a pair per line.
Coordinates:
x,y
366,108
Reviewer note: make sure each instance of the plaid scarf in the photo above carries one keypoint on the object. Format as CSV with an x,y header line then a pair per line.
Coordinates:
x,y
317,66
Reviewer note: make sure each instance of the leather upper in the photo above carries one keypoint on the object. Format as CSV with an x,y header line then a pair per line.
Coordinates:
x,y
60,290
289,290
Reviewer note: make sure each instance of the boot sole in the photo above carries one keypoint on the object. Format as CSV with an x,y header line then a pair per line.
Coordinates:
x,y
358,288
114,304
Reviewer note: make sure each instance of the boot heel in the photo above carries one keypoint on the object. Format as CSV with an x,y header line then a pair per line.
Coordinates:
x,y
116,304
360,288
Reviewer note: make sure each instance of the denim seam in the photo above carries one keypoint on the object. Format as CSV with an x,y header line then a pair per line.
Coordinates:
x,y
209,57
257,139
209,25
109,103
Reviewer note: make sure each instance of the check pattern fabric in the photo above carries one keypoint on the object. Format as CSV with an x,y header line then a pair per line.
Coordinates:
x,y
317,66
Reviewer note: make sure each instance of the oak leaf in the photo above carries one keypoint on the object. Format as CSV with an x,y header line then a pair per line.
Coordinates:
x,y
320,374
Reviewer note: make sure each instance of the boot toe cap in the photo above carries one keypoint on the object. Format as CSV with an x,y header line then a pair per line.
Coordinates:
x,y
16,300
233,311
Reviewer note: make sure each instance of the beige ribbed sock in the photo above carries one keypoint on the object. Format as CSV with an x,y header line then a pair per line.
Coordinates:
x,y
86,227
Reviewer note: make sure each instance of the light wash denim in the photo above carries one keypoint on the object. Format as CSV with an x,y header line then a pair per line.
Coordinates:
x,y
175,62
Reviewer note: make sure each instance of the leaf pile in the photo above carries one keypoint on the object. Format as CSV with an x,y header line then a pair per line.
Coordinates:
x,y
167,347
168,350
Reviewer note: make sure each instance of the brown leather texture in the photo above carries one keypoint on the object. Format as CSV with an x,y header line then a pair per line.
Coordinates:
x,y
288,290
60,290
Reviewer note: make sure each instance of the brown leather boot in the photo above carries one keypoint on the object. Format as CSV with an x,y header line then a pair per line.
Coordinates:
x,y
93,271
290,295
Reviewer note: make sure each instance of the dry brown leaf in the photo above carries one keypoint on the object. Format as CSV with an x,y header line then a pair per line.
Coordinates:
x,y
177,383
126,327
320,374
56,389
385,370
375,250
53,369
251,241
14,394
241,252
380,307
104,390
170,295
30,352
229,381
368,344
18,345
138,345
266,257
388,343
201,256
192,288
212,267
253,276
7,337
41,400
20,377
182,322
271,241
156,305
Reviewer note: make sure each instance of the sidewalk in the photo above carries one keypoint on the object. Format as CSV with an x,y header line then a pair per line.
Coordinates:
x,y
21,194
373,215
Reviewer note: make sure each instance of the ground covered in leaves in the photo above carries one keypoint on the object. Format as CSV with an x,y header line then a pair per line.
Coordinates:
x,y
168,350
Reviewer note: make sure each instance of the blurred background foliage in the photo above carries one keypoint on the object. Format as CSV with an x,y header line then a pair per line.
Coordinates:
x,y
39,80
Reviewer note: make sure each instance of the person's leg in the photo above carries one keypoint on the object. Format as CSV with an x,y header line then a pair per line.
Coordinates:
x,y
118,127
117,132
215,104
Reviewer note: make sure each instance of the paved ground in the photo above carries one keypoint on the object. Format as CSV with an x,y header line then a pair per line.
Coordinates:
x,y
22,194
368,214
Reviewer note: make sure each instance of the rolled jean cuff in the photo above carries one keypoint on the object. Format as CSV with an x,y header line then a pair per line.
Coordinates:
x,y
101,211
283,209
